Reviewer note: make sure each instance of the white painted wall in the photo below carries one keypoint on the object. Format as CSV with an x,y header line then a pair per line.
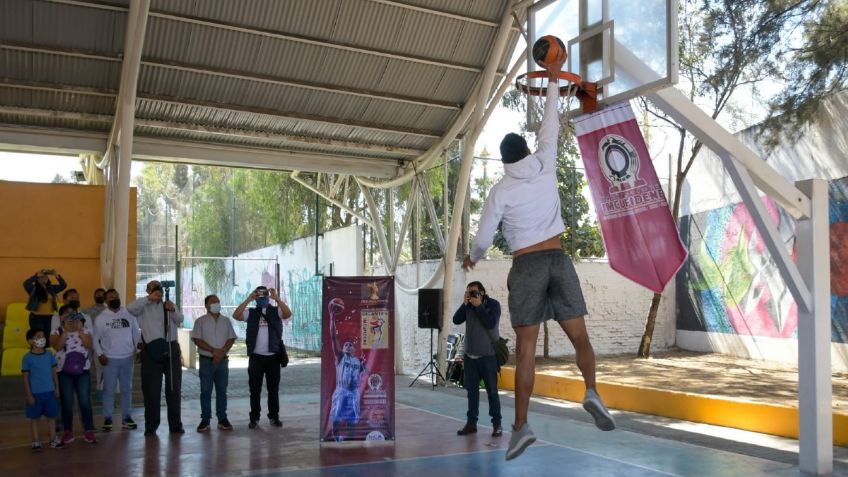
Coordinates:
x,y
821,152
617,311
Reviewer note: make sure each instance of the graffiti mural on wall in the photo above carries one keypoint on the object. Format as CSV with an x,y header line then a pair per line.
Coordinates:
x,y
303,292
731,285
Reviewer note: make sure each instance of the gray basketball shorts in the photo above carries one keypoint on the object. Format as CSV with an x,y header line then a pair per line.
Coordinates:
x,y
543,285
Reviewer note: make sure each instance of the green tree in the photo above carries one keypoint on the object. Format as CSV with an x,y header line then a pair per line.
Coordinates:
x,y
816,69
724,46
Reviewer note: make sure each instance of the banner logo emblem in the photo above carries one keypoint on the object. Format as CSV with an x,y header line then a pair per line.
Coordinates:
x,y
619,161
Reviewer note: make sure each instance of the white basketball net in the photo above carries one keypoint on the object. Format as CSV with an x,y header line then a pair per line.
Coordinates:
x,y
567,101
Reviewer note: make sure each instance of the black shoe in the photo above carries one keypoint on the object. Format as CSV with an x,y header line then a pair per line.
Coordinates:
x,y
107,424
203,426
252,425
177,430
149,432
468,429
276,422
128,423
497,431
224,425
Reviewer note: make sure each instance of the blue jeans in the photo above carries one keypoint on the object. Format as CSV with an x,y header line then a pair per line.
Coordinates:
x,y
118,371
217,375
485,367
81,385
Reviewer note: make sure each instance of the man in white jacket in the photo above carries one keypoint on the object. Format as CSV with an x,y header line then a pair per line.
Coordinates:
x,y
542,282
116,337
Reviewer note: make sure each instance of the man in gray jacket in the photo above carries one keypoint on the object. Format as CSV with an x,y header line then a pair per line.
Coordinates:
x,y
481,315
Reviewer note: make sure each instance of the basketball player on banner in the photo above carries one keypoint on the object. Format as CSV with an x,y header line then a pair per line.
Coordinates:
x,y
345,407
542,281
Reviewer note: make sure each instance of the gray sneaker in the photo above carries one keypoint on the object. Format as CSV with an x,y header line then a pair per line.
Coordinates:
x,y
519,440
593,405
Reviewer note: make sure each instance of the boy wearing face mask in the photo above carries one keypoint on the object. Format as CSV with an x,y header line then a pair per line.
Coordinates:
x,y
41,387
116,336
214,335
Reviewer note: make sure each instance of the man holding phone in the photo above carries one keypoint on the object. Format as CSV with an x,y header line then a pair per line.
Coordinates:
x,y
264,339
481,315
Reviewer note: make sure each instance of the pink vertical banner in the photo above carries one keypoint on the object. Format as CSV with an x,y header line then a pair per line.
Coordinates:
x,y
639,232
358,359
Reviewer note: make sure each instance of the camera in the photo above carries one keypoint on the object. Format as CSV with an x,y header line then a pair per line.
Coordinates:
x,y
261,293
168,283
474,294
76,316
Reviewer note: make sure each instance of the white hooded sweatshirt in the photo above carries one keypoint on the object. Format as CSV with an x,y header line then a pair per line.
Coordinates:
x,y
526,200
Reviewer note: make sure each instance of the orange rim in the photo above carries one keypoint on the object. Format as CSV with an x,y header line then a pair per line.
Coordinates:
x,y
587,93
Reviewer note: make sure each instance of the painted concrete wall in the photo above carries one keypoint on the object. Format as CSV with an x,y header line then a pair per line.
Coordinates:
x,y
617,311
55,226
339,252
731,296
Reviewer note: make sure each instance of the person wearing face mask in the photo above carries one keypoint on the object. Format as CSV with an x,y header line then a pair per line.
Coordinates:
x,y
41,388
150,312
93,311
116,336
264,339
99,305
42,302
214,335
71,298
72,342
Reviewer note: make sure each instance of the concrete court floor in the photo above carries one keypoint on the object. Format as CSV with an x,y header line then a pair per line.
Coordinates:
x,y
426,444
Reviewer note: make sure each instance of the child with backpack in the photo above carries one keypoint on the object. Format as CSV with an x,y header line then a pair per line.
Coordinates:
x,y
73,343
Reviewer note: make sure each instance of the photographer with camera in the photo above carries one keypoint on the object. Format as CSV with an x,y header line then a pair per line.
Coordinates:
x,y
264,339
160,356
42,302
481,315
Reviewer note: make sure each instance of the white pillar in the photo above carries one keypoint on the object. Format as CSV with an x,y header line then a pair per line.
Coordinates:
x,y
815,403
122,134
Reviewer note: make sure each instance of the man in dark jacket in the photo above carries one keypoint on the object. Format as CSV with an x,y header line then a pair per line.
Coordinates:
x,y
264,338
481,315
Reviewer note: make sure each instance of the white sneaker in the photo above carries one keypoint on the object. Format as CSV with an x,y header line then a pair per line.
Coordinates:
x,y
593,405
519,440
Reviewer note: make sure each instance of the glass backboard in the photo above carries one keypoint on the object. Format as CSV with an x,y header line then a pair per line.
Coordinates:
x,y
628,47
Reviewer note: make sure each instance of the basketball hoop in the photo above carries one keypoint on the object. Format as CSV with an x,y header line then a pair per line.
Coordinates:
x,y
535,85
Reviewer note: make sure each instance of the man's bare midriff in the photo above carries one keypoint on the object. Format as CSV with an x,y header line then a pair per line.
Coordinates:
x,y
548,244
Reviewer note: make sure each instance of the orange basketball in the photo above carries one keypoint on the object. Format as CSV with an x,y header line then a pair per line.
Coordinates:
x,y
547,50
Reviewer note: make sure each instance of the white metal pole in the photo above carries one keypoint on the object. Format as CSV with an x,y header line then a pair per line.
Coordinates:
x,y
814,374
465,170
136,26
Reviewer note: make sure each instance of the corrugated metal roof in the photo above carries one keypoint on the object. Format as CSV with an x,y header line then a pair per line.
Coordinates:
x,y
375,72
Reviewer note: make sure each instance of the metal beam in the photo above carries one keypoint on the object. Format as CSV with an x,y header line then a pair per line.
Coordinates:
x,y
217,131
57,141
53,141
815,382
291,115
440,13
228,73
58,88
295,176
282,36
313,141
153,149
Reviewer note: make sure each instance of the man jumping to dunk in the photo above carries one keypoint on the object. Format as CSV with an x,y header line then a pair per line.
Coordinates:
x,y
542,282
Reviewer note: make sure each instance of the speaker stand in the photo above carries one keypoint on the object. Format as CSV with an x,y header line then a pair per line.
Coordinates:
x,y
431,369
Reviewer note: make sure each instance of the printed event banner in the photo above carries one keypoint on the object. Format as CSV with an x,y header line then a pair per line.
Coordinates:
x,y
639,233
357,359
